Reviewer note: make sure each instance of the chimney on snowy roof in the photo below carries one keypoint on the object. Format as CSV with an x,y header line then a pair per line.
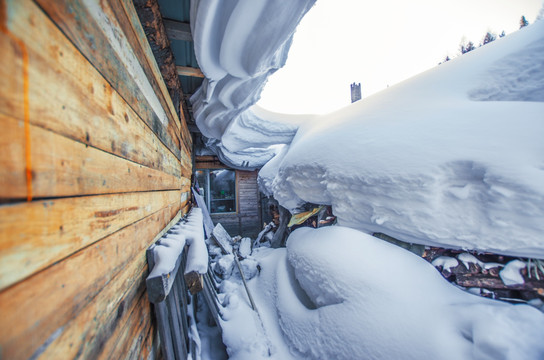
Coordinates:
x,y
355,92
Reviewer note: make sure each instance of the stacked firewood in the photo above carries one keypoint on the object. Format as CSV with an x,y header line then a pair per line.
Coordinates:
x,y
495,276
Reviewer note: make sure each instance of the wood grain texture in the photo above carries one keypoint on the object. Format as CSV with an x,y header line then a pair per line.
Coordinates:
x,y
127,20
80,104
63,167
49,300
177,30
35,235
110,166
101,40
152,23
126,342
86,335
189,71
186,137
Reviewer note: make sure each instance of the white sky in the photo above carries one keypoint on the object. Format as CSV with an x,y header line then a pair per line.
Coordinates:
x,y
379,43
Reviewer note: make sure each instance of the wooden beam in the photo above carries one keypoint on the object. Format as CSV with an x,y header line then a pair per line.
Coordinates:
x,y
150,18
189,71
176,30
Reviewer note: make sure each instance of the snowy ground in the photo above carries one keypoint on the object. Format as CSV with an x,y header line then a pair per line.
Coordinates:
x,y
337,293
453,157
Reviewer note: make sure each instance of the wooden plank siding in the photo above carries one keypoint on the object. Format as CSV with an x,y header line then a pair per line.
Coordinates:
x,y
247,219
95,164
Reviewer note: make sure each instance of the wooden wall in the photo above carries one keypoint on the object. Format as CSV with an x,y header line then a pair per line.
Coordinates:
x,y
247,219
94,165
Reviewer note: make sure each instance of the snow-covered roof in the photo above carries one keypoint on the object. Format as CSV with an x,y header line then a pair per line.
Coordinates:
x,y
238,45
451,157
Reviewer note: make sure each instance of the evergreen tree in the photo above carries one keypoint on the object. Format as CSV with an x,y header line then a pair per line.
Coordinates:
x,y
447,58
523,22
502,34
466,47
489,37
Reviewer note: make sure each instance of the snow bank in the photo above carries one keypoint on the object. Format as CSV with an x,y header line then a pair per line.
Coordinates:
x,y
238,44
335,292
197,255
427,163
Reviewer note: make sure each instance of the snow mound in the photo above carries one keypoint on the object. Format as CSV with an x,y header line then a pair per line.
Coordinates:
x,y
336,296
424,162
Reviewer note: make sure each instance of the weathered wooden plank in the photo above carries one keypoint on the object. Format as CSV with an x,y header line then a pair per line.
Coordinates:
x,y
140,345
159,285
176,329
64,167
103,43
36,234
186,137
127,339
150,18
189,71
150,347
34,309
80,104
94,325
178,30
128,21
194,281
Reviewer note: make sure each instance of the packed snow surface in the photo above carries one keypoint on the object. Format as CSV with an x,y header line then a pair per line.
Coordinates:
x,y
427,161
338,293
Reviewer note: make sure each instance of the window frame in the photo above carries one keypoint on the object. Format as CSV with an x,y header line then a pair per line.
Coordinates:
x,y
207,196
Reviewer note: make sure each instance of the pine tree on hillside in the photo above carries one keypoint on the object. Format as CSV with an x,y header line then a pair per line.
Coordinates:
x,y
523,22
502,34
489,37
446,59
466,47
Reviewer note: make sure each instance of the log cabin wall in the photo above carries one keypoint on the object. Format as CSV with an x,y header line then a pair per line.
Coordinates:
x,y
95,164
246,221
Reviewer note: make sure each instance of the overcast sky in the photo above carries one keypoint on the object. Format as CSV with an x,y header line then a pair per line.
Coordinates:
x,y
379,43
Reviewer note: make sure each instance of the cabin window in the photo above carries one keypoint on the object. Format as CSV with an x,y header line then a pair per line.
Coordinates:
x,y
219,189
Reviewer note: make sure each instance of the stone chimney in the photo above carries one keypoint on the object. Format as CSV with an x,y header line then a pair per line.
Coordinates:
x,y
355,92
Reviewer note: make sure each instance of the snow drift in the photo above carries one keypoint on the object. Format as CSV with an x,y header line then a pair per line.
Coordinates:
x,y
428,161
338,293
398,309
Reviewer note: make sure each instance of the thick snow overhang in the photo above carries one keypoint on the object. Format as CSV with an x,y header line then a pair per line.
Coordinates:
x,y
238,45
219,54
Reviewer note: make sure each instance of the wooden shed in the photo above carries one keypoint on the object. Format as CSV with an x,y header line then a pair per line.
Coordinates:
x,y
232,196
96,163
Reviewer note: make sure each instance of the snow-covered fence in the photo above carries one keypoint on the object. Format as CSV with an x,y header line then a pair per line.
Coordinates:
x,y
167,287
